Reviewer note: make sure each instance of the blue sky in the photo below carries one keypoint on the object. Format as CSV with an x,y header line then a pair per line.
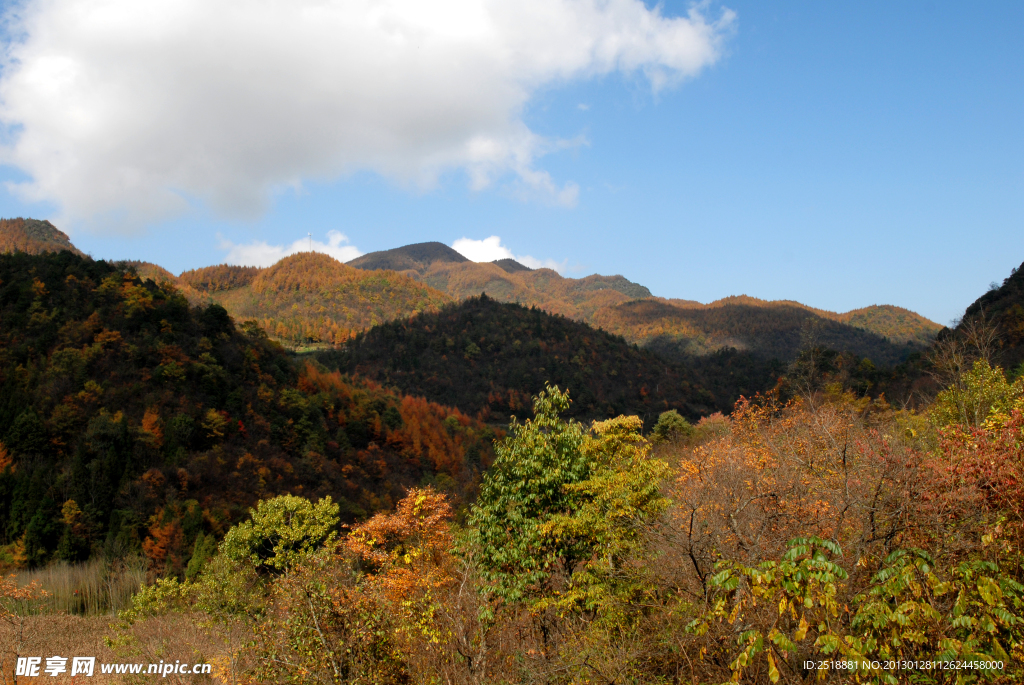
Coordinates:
x,y
840,156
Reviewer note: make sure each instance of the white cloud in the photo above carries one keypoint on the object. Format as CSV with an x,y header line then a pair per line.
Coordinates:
x,y
259,253
490,250
133,111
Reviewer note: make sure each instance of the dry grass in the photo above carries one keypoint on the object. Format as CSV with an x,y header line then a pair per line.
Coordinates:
x,y
78,617
46,636
169,638
96,587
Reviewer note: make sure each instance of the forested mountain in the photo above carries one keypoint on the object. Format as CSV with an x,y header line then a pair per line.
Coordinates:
x,y
128,418
778,331
505,280
33,236
510,265
211,279
607,301
312,297
154,272
1003,307
897,324
489,357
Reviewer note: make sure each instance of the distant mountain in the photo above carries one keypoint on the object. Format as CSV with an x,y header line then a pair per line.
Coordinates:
x,y
897,324
510,265
311,297
771,330
154,272
211,279
34,237
399,282
408,258
488,357
577,298
505,280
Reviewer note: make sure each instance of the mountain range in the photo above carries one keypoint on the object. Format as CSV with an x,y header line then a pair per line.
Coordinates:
x,y
427,275
311,298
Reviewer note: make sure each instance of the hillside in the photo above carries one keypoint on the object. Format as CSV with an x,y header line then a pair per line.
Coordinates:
x,y
489,357
311,297
897,324
577,298
510,265
1004,308
779,330
505,280
129,420
33,237
211,279
145,270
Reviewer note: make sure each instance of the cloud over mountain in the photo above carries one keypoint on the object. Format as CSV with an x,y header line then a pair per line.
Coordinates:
x,y
490,250
131,111
259,253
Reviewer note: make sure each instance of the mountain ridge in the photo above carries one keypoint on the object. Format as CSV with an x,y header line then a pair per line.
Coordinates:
x,y
430,274
488,358
34,236
408,257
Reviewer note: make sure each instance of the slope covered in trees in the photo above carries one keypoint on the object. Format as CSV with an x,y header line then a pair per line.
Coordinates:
x,y
211,279
827,539
589,299
486,356
33,236
153,272
130,419
778,331
897,324
1003,308
313,297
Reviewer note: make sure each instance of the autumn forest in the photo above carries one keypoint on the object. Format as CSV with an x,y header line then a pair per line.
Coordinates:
x,y
414,468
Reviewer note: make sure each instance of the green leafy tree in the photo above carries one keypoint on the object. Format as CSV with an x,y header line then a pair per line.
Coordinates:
x,y
911,612
524,490
671,426
281,531
610,514
204,549
563,500
975,395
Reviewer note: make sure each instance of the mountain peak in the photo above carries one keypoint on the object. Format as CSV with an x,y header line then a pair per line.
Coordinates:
x,y
510,265
416,257
34,237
